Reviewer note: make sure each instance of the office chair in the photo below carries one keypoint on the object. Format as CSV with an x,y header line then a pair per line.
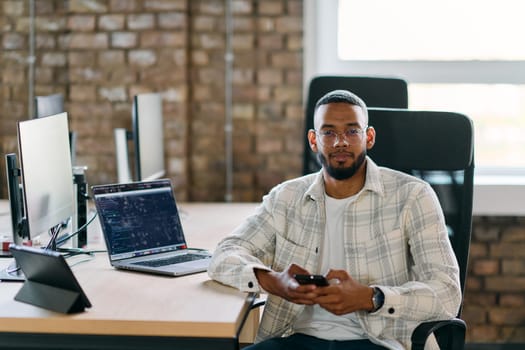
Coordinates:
x,y
375,91
437,147
50,105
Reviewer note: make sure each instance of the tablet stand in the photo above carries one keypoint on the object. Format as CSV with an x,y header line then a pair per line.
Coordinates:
x,y
50,297
50,283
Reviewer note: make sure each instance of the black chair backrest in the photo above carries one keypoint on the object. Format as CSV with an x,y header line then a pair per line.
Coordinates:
x,y
375,91
439,148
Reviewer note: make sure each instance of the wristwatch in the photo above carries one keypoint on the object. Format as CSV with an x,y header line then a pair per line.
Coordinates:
x,y
378,299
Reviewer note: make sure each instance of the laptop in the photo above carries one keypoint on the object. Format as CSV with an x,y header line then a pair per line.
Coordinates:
x,y
142,229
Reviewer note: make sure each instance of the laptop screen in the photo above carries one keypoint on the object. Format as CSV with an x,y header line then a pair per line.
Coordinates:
x,y
139,218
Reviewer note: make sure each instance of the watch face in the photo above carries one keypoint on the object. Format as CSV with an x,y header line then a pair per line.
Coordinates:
x,y
378,299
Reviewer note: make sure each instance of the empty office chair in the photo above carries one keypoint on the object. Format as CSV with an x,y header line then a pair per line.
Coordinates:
x,y
438,147
50,105
375,91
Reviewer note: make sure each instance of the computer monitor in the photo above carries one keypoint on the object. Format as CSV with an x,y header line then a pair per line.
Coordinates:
x,y
147,138
16,203
47,176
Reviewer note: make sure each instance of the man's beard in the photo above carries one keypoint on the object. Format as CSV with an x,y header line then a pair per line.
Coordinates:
x,y
342,173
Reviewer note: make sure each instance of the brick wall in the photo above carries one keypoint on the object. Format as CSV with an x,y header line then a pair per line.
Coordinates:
x,y
99,53
267,101
495,290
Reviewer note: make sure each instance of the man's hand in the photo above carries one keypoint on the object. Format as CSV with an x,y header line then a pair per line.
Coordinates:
x,y
345,296
284,285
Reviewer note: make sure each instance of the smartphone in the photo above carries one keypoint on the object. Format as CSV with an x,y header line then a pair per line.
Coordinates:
x,y
318,280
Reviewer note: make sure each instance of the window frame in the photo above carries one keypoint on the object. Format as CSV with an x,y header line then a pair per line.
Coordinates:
x,y
497,191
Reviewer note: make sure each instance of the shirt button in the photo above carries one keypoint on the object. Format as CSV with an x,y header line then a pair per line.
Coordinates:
x,y
250,284
391,310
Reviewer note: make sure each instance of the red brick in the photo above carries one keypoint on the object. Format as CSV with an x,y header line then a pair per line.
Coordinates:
x,y
80,58
512,300
513,267
142,57
513,334
289,24
83,6
513,234
270,76
162,39
507,250
124,39
172,20
242,7
81,23
486,267
165,5
243,42
505,283
270,7
141,21
271,41
243,25
87,41
13,41
83,93
111,22
481,334
507,316
111,57
124,5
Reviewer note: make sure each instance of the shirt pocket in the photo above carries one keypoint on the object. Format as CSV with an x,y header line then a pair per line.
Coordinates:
x,y
387,258
288,251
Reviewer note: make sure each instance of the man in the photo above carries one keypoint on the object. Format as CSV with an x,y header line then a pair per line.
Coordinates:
x,y
377,235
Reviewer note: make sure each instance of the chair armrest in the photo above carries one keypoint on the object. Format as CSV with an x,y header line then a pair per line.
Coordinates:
x,y
258,303
450,334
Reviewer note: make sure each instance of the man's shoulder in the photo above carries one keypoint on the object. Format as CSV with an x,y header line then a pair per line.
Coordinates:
x,y
295,188
390,175
302,182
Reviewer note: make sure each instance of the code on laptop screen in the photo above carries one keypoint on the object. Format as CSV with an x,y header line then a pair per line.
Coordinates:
x,y
140,222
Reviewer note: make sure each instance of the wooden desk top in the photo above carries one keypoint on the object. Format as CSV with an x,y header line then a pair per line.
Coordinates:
x,y
130,303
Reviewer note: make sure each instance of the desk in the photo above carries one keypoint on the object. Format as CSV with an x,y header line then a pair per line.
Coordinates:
x,y
139,311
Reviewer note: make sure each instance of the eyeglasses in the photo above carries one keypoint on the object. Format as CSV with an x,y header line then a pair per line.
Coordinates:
x,y
351,136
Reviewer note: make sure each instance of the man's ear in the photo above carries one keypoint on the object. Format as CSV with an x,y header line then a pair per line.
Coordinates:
x,y
312,140
370,137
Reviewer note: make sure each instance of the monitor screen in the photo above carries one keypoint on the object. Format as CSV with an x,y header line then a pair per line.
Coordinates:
x,y
47,177
148,137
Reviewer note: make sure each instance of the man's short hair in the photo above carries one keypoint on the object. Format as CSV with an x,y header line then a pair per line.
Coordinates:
x,y
342,96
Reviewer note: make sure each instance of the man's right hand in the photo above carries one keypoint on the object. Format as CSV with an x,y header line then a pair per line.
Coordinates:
x,y
284,285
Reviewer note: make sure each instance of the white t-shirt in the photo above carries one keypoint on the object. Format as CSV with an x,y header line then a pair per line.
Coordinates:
x,y
314,320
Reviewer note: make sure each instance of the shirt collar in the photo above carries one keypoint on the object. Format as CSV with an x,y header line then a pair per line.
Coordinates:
x,y
372,182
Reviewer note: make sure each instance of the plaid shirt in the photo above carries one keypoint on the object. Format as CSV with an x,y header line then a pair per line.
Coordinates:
x,y
394,238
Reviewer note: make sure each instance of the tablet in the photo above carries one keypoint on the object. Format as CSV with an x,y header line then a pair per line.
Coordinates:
x,y
50,283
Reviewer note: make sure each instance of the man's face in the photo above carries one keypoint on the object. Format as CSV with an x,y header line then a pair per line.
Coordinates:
x,y
341,138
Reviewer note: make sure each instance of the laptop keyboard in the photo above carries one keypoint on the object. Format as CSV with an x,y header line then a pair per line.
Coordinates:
x,y
171,260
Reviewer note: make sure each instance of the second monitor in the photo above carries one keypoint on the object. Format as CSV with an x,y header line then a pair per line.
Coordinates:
x,y
147,138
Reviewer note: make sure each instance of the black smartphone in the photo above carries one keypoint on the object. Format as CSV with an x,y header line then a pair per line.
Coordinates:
x,y
318,280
